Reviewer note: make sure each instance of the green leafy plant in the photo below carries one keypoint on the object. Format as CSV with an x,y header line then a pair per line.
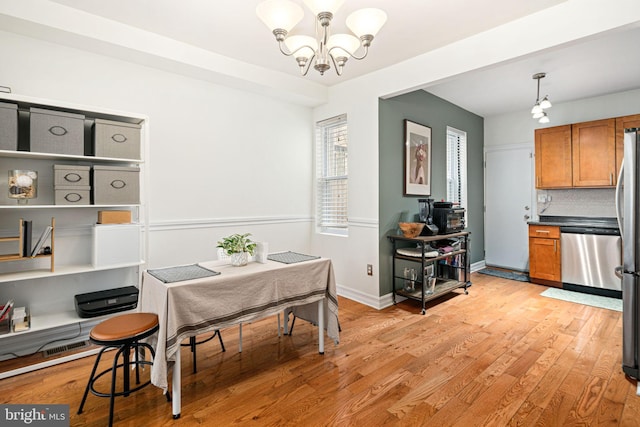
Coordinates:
x,y
237,243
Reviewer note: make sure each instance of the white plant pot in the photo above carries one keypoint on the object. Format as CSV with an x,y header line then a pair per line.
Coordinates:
x,y
239,259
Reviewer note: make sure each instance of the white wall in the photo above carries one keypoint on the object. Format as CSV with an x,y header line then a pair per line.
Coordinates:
x,y
220,160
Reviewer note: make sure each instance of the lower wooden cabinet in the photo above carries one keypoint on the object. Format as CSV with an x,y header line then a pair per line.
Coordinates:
x,y
544,255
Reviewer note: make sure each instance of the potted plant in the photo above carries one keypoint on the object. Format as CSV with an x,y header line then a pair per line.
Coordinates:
x,y
238,247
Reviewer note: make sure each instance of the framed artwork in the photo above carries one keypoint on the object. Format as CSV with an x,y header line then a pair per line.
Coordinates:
x,y
417,159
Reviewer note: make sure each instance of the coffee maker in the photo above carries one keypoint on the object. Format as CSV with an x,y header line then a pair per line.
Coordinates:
x,y
425,213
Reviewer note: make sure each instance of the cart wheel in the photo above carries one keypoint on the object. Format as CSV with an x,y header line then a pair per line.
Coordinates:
x,y
424,311
466,291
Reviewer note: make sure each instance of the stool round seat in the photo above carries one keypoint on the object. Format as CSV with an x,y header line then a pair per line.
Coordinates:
x,y
124,327
123,332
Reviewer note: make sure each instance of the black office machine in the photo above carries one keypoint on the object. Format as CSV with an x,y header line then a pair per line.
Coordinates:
x,y
109,301
447,218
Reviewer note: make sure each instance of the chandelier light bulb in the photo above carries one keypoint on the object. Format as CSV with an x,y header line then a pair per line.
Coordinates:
x,y
538,114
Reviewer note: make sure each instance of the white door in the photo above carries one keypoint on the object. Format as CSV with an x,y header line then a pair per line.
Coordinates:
x,y
509,205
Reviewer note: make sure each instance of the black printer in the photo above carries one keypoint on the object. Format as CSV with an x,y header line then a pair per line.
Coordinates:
x,y
109,301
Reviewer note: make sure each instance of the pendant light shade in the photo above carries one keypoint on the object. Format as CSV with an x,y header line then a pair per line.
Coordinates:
x,y
279,14
319,6
343,45
366,22
301,46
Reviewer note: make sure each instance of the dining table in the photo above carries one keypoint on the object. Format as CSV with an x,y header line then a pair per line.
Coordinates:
x,y
197,298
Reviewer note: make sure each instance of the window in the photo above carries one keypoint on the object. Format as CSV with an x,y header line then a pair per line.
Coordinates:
x,y
457,166
332,175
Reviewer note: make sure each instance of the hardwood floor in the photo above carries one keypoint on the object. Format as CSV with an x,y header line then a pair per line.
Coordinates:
x,y
500,356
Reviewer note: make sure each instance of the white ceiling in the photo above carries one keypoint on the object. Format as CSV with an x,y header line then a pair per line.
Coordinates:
x,y
597,66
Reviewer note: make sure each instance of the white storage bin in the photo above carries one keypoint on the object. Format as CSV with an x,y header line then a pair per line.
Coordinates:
x,y
116,244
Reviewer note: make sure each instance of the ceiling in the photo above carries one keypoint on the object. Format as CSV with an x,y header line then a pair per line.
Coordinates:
x,y
231,28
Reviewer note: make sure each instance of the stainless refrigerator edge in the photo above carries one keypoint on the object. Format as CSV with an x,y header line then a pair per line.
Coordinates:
x,y
627,207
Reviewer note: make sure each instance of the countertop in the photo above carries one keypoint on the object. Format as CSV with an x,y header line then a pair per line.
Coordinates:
x,y
577,221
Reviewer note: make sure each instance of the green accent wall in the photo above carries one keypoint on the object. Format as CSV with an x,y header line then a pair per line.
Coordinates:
x,y
428,110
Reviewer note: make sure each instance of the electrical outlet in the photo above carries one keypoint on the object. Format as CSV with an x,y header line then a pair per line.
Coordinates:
x,y
370,269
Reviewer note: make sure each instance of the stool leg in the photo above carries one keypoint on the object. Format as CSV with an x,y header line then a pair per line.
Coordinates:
x,y
126,354
192,344
93,372
220,338
114,372
136,351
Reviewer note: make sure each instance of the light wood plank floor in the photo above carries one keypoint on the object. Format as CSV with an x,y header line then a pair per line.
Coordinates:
x,y
500,356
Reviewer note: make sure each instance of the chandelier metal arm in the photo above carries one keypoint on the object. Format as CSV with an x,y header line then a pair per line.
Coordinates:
x,y
335,65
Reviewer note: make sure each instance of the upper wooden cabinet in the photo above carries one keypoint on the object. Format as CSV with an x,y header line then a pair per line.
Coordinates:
x,y
585,154
553,157
593,148
623,123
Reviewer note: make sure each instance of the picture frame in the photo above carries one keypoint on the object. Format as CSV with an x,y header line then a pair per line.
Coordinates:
x,y
417,159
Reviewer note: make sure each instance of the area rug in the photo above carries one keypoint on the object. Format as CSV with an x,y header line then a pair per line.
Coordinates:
x,y
512,275
586,299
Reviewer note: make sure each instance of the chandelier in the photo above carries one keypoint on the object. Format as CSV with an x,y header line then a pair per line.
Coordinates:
x,y
538,108
324,49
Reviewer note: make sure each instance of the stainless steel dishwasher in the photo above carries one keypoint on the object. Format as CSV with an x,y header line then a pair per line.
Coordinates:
x,y
590,256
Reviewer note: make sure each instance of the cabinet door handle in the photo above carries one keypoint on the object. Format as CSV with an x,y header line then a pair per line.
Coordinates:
x,y
543,231
555,246
611,179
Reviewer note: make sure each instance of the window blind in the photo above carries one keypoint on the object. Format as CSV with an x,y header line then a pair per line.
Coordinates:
x,y
332,175
457,166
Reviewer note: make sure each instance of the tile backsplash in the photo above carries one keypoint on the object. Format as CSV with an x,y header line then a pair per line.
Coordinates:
x,y
586,202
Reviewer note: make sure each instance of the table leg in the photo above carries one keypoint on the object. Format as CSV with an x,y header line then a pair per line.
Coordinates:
x,y
321,326
176,385
286,322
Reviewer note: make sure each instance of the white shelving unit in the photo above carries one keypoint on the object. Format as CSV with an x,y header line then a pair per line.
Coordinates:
x,y
49,295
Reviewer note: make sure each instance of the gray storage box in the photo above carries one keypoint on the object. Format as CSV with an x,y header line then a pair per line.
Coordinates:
x,y
116,185
8,126
71,175
73,194
116,139
56,132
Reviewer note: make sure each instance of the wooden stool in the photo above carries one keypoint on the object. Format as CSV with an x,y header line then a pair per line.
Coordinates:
x,y
124,333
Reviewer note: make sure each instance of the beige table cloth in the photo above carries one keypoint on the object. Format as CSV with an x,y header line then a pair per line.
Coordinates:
x,y
237,295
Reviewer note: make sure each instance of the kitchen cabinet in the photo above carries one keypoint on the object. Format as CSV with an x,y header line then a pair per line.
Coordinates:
x,y
47,287
623,123
553,157
448,268
581,155
545,255
593,152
